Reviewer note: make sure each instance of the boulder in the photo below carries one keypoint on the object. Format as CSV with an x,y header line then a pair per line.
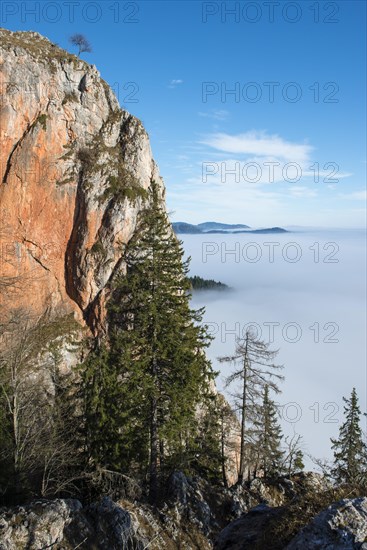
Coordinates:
x,y
245,532
343,526
66,524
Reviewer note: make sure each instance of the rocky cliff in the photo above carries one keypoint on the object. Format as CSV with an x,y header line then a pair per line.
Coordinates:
x,y
74,167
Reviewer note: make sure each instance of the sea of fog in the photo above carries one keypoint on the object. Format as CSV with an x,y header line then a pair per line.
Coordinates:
x,y
303,291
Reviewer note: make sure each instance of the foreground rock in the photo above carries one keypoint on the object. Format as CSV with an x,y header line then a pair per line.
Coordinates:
x,y
343,526
195,515
66,525
246,532
210,507
195,511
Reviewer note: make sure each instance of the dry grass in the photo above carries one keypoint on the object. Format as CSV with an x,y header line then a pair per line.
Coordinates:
x,y
39,48
300,512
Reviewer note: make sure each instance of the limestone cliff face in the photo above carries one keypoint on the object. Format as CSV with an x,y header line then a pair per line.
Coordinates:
x,y
73,170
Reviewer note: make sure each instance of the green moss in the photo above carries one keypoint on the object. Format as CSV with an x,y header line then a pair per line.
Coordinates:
x,y
114,116
67,155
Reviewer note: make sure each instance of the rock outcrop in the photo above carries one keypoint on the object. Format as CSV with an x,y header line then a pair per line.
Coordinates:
x,y
65,524
195,515
245,533
195,511
343,526
106,525
74,167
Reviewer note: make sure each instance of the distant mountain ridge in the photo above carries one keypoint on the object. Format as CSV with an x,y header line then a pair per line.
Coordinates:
x,y
220,228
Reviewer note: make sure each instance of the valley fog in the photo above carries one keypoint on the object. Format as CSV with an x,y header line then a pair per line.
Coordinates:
x,y
303,291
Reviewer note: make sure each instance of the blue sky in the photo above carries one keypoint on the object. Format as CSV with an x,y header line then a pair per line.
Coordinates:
x,y
171,64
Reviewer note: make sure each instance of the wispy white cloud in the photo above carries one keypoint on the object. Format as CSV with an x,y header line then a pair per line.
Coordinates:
x,y
355,195
260,179
259,143
302,192
219,114
175,82
276,158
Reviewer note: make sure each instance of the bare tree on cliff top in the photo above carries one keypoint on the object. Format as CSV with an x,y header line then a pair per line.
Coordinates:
x,y
80,41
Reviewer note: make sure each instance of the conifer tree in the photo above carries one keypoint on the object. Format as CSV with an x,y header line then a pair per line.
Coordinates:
x,y
155,365
269,437
298,461
350,452
101,399
206,447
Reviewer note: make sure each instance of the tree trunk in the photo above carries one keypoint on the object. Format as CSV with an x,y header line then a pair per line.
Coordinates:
x,y
154,453
223,458
243,418
161,455
154,437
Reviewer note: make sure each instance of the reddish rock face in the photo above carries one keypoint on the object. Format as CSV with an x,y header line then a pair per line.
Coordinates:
x,y
68,154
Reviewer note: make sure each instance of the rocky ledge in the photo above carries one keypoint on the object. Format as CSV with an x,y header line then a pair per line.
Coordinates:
x,y
195,515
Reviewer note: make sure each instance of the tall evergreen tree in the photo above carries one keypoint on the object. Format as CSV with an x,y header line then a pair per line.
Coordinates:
x,y
269,437
206,446
350,452
155,363
101,399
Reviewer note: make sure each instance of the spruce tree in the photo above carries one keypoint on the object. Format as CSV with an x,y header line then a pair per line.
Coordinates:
x,y
350,453
205,448
269,437
101,399
155,364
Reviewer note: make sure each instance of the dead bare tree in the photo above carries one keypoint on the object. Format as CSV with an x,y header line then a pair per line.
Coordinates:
x,y
256,370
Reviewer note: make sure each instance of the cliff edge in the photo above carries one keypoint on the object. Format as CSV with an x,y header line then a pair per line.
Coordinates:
x,y
74,167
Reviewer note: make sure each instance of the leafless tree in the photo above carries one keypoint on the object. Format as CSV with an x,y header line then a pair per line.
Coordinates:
x,y
36,431
293,458
255,371
80,41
